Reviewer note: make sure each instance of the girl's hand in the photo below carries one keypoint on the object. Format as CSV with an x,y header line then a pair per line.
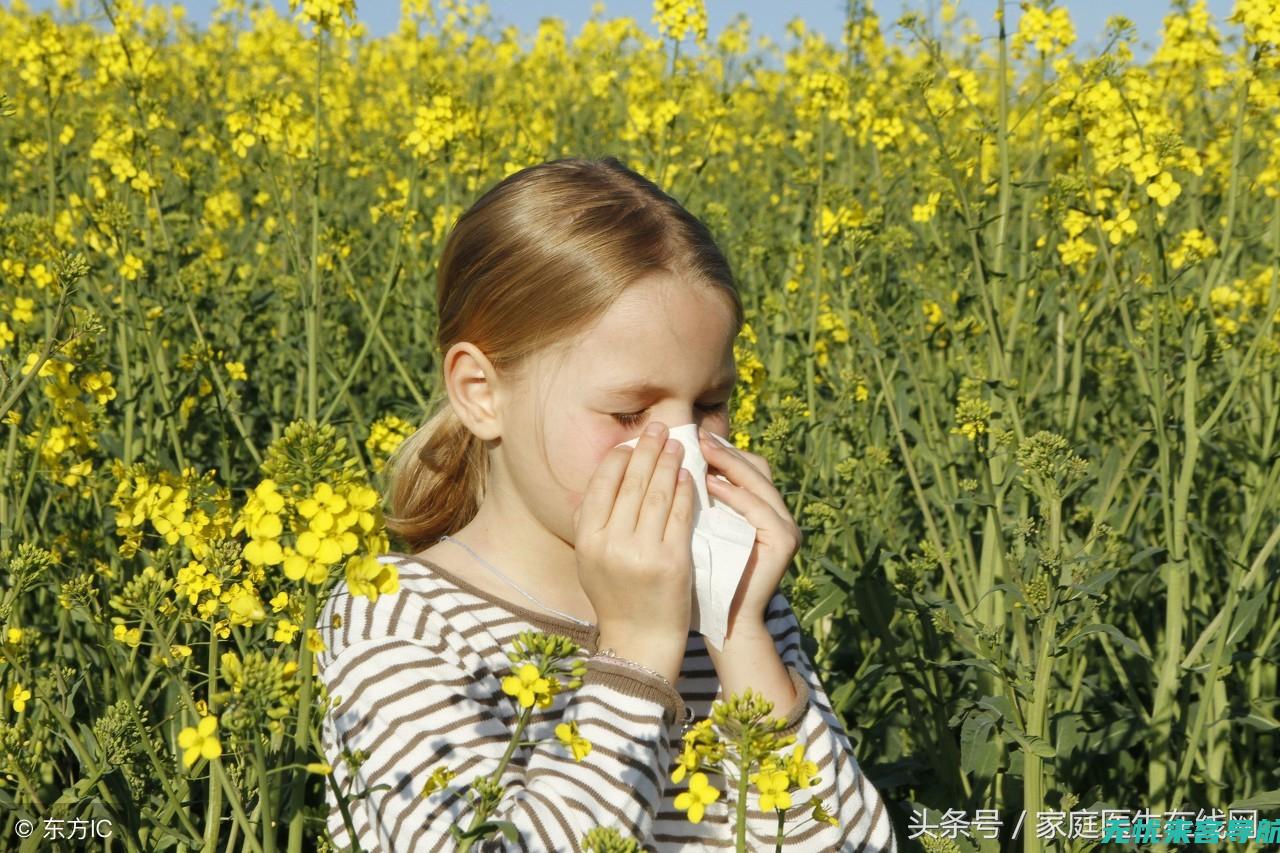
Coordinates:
x,y
632,533
751,492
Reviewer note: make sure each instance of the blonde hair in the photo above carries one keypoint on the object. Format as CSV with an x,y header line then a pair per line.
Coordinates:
x,y
531,264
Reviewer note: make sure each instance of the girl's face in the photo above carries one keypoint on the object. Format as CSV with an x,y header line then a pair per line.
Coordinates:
x,y
662,352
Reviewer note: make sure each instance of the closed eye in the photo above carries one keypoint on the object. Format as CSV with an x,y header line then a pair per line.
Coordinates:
x,y
632,419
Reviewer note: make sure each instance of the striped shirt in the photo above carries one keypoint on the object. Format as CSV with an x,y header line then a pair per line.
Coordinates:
x,y
416,682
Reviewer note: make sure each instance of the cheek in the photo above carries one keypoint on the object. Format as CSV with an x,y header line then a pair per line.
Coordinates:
x,y
585,444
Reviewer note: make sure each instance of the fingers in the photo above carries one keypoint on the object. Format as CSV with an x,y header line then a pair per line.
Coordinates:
x,y
651,526
718,453
598,499
635,481
741,472
679,530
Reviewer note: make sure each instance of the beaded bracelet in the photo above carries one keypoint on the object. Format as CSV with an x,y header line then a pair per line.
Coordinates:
x,y
687,722
612,655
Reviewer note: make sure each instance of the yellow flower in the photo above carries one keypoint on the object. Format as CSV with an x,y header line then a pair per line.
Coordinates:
x,y
434,126
131,266
688,761
568,735
19,695
1047,31
246,608
321,767
698,797
130,636
1194,246
926,211
800,770
1164,189
23,310
821,814
528,686
199,741
235,369
41,275
675,18
368,576
13,635
1122,224
285,631
438,779
772,785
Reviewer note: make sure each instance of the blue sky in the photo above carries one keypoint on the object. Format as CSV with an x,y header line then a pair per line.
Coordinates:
x,y
768,17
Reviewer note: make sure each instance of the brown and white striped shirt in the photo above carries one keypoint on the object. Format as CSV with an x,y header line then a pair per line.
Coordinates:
x,y
418,677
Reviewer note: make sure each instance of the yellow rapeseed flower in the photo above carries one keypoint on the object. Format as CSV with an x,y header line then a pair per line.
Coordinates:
x,y
799,769
285,631
19,695
368,576
568,735
528,686
772,785
700,795
437,780
820,813
675,18
927,210
199,741
129,636
1164,189
23,310
687,762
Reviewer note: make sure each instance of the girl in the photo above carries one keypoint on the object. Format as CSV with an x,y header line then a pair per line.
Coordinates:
x,y
579,305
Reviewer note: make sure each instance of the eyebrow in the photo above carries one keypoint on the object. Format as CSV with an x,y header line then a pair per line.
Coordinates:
x,y
639,389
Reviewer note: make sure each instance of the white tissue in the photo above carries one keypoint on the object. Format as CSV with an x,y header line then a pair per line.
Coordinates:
x,y
722,542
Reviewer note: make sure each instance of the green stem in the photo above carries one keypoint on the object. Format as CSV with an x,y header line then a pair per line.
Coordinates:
x,y
1032,778
341,800
264,797
482,813
223,783
741,817
313,315
302,735
213,812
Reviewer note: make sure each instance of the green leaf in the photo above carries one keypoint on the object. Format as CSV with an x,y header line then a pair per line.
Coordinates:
x,y
998,704
1111,631
506,827
843,572
1246,615
1096,584
827,604
1256,721
979,753
1264,800
1034,744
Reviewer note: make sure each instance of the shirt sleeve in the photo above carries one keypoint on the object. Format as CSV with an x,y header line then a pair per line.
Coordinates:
x,y
413,707
843,789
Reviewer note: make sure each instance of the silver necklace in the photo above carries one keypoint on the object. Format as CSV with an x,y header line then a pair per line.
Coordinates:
x,y
516,586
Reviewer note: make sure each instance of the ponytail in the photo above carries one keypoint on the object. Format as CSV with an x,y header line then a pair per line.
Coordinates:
x,y
437,480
